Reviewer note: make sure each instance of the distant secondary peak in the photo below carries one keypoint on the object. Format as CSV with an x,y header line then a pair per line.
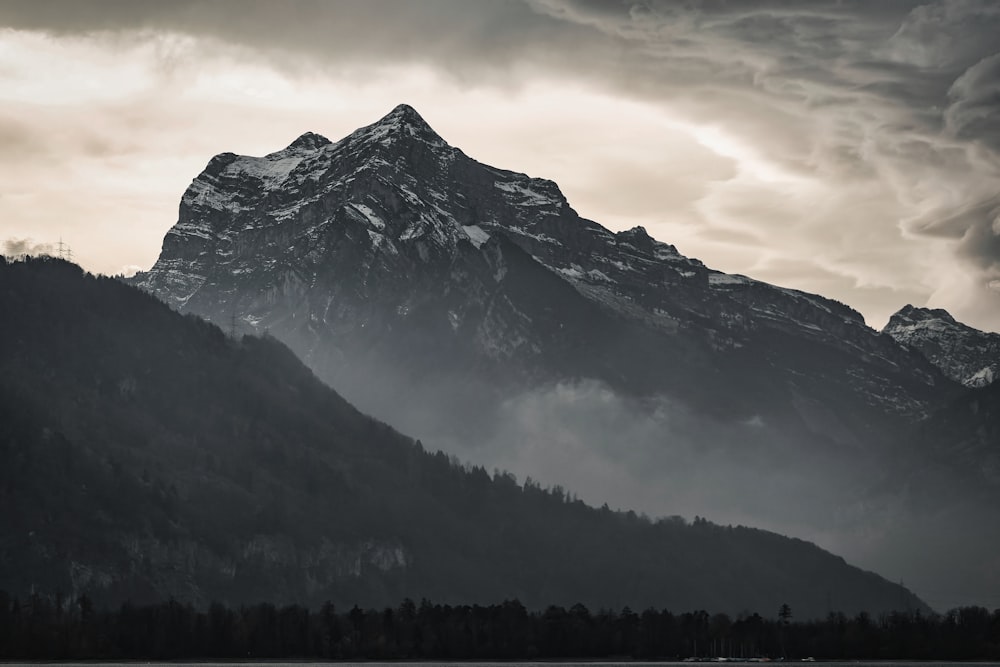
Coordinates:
x,y
916,314
310,141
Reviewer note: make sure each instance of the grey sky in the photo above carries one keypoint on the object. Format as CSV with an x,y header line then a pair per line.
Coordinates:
x,y
848,148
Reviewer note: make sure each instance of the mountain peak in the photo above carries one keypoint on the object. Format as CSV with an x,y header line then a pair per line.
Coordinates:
x,y
407,115
401,123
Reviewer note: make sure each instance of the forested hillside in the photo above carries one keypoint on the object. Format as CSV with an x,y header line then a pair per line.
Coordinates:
x,y
145,454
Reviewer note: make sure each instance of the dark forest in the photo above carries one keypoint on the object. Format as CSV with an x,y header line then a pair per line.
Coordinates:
x,y
42,629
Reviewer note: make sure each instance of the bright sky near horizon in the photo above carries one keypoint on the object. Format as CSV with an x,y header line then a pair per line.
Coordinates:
x,y
846,148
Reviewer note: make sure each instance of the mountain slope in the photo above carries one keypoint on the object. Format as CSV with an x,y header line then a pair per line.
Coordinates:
x,y
964,354
145,454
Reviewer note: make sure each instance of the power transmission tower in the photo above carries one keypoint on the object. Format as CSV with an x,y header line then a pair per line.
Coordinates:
x,y
63,251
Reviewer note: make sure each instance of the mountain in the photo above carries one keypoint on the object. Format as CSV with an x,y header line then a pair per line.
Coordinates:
x,y
391,253
964,354
145,454
474,308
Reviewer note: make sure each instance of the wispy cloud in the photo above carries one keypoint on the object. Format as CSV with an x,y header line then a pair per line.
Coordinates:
x,y
848,146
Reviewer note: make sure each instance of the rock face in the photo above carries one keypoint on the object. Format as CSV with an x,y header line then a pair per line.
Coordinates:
x,y
964,354
474,308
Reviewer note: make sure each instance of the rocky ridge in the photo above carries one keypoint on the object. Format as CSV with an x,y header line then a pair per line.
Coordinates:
x,y
964,354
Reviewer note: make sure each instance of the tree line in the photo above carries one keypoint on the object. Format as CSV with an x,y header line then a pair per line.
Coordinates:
x,y
44,628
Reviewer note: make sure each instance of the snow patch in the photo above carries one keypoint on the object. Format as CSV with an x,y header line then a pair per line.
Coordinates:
x,y
368,215
380,242
572,271
476,235
594,274
413,230
981,378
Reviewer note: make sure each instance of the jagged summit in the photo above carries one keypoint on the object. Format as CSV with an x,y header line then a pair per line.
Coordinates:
x,y
405,114
402,123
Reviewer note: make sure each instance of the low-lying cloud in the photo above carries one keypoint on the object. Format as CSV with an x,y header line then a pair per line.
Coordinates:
x,y
21,248
660,458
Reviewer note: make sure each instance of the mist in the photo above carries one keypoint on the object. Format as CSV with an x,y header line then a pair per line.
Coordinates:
x,y
660,458
19,248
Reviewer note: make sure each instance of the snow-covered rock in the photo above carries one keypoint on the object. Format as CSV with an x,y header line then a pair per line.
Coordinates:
x,y
964,354
390,255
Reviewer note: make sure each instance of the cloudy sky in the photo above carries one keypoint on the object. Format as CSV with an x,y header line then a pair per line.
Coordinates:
x,y
846,148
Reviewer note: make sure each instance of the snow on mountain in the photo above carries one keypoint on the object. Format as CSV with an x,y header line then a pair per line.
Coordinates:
x,y
964,354
325,242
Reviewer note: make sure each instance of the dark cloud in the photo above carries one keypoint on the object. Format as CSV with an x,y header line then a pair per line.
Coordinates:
x,y
893,103
897,49
977,228
974,112
459,33
948,35
896,91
